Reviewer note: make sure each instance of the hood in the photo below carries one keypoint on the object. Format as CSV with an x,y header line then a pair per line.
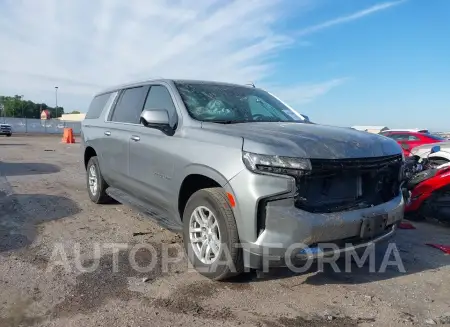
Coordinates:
x,y
308,140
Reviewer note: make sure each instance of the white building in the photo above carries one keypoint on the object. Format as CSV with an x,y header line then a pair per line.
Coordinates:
x,y
72,117
371,129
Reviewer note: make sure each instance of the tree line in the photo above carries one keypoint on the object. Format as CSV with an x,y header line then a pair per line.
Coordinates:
x,y
15,106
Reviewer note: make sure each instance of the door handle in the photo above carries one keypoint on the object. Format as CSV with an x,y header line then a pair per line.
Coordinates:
x,y
107,133
135,138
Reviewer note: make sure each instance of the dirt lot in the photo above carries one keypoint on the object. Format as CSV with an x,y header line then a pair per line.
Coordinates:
x,y
45,213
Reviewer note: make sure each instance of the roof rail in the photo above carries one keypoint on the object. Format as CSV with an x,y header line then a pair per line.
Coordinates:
x,y
250,84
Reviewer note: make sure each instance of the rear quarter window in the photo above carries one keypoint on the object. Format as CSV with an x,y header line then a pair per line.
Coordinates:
x,y
98,104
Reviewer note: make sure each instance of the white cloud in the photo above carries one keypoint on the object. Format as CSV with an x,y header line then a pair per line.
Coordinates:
x,y
301,94
349,18
84,45
111,41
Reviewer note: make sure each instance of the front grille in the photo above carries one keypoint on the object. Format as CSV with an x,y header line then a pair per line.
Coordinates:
x,y
346,184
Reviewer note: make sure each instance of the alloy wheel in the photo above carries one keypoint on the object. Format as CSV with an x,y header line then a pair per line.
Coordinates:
x,y
93,180
204,233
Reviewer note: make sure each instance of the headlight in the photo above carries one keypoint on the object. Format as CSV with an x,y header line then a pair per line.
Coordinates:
x,y
260,163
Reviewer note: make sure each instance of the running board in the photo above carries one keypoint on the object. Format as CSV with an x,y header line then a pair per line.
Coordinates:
x,y
150,212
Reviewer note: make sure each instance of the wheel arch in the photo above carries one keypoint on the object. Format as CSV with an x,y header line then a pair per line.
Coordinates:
x,y
89,152
197,177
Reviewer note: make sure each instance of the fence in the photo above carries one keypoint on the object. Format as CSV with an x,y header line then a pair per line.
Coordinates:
x,y
32,125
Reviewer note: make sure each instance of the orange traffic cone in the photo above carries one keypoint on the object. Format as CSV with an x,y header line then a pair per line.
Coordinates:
x,y
68,136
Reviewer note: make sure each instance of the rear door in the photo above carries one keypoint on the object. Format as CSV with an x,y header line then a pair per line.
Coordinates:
x,y
117,134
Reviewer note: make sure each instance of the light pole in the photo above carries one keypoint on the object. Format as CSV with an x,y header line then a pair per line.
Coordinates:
x,y
21,102
56,99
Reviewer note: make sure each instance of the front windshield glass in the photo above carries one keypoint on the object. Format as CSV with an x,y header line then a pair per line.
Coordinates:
x,y
224,103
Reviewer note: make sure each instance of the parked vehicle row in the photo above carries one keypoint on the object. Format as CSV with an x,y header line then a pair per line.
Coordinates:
x,y
241,177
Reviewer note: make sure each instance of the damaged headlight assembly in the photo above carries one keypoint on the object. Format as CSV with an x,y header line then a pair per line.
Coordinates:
x,y
279,165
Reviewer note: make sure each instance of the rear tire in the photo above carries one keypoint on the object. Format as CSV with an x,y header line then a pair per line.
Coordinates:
x,y
96,185
210,235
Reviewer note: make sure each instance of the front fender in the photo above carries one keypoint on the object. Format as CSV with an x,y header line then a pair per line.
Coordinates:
x,y
197,169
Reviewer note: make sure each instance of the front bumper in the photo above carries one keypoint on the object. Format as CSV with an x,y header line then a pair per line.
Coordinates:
x,y
287,228
299,253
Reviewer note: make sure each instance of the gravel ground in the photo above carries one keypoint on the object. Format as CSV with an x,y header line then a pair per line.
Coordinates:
x,y
48,227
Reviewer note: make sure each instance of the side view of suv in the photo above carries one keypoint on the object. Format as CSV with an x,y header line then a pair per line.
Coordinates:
x,y
242,178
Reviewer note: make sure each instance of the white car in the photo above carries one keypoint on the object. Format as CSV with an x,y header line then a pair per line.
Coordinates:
x,y
440,157
416,130
5,129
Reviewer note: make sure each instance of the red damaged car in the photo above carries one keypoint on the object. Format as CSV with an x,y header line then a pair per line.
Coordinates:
x,y
409,139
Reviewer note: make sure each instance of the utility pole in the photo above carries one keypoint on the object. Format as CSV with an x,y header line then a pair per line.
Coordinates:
x,y
21,102
56,99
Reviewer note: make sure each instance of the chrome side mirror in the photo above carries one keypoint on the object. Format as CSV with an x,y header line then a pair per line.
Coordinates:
x,y
155,117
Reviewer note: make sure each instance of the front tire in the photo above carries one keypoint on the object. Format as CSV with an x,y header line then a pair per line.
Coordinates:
x,y
210,235
96,185
8,135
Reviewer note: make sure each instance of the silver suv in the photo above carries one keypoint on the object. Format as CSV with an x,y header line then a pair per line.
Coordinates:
x,y
241,174
5,129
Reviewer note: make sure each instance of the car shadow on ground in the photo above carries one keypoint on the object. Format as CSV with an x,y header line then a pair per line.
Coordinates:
x,y
27,168
21,213
406,254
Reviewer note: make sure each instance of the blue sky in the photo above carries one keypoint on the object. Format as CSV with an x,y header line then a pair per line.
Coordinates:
x,y
396,60
341,62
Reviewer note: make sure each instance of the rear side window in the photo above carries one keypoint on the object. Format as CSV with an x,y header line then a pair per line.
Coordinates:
x,y
399,137
129,105
97,105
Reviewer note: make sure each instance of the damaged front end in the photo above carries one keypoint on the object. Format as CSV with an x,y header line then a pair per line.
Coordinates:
x,y
335,185
338,185
319,201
